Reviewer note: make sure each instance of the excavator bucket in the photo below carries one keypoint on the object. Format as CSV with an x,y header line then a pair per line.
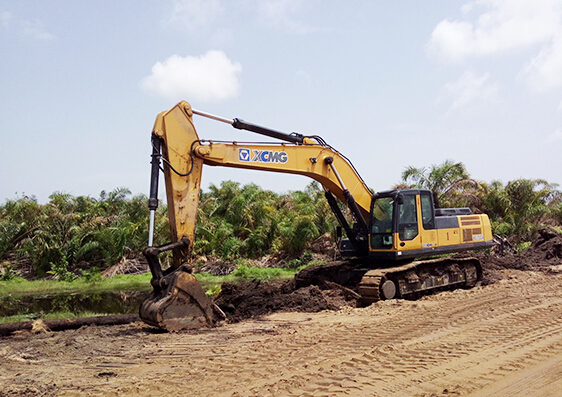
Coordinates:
x,y
180,304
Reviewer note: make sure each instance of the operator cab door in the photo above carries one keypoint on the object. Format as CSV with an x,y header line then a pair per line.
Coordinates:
x,y
428,232
407,222
382,223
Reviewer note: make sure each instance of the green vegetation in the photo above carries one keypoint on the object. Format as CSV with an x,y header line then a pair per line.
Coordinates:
x,y
247,222
262,273
69,234
442,180
73,239
19,287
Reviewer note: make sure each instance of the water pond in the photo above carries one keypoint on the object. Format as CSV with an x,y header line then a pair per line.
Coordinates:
x,y
35,306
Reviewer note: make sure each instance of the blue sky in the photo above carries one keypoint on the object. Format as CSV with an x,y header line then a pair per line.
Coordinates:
x,y
387,83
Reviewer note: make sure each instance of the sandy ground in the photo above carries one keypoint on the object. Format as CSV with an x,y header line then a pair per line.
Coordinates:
x,y
503,339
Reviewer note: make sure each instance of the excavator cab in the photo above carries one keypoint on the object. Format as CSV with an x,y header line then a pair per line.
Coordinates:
x,y
404,224
393,212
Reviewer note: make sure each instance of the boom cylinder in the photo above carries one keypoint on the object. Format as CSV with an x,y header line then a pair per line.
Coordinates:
x,y
243,125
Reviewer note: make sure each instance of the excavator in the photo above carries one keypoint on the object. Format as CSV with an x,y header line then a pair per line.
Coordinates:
x,y
396,239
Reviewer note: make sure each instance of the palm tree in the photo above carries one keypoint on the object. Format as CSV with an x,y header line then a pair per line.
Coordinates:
x,y
520,207
529,204
439,179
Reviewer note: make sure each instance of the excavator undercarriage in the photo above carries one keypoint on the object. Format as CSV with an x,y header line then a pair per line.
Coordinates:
x,y
408,280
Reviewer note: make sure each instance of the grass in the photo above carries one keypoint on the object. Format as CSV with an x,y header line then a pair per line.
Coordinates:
x,y
523,246
20,287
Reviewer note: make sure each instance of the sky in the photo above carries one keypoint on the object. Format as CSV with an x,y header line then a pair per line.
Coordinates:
x,y
389,84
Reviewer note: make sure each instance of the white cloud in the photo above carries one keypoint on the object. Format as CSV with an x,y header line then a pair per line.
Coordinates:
x,y
468,90
544,71
284,15
36,30
502,25
209,77
196,14
556,136
31,28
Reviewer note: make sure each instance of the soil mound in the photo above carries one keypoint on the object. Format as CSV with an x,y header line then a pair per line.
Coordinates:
x,y
544,254
546,249
258,298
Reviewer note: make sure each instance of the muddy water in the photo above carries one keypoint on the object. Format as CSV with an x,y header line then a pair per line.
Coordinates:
x,y
123,302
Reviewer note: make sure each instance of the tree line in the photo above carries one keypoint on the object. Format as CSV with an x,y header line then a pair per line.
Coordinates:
x,y
70,235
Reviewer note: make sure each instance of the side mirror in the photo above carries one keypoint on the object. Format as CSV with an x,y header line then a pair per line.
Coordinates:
x,y
339,232
400,199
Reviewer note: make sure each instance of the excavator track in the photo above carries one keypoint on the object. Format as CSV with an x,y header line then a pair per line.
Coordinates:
x,y
370,287
408,280
417,278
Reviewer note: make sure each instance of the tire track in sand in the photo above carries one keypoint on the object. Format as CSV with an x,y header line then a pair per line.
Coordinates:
x,y
475,347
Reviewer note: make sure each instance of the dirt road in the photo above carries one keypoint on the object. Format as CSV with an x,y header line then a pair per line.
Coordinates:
x,y
503,339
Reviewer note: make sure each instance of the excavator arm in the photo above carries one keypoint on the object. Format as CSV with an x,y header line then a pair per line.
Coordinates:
x,y
177,146
184,155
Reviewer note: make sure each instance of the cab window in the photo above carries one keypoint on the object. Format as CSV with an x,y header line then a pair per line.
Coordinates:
x,y
427,210
381,223
408,218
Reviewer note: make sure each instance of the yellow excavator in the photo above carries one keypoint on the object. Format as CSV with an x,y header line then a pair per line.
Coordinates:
x,y
391,232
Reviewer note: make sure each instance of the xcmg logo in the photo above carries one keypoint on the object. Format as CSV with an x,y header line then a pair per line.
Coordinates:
x,y
262,156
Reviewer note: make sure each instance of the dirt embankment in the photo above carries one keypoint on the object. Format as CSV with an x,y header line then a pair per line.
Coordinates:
x,y
544,254
246,300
